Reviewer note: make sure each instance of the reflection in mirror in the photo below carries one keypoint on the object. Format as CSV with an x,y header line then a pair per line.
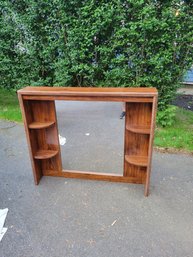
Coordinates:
x,y
91,136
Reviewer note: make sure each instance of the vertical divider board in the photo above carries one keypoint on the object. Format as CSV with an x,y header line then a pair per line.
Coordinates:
x,y
39,116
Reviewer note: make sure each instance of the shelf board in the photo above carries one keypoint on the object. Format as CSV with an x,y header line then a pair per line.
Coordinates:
x,y
141,129
141,161
41,125
45,154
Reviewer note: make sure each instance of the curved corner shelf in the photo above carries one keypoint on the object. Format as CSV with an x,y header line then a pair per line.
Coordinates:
x,y
141,161
41,125
45,154
141,129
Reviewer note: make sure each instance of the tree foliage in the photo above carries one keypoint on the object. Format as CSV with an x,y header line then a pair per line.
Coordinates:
x,y
116,43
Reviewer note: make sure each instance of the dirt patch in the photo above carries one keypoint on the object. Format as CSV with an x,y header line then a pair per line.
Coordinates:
x,y
171,150
184,101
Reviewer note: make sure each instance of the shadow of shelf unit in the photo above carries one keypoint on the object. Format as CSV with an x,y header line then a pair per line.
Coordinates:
x,y
39,116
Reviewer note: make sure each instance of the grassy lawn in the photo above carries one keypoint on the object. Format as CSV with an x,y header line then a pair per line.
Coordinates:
x,y
9,106
178,136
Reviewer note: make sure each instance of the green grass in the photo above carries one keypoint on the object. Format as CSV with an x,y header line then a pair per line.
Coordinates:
x,y
9,105
178,136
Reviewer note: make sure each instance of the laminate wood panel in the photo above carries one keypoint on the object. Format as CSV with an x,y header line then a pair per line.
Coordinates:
x,y
89,98
150,149
89,91
93,176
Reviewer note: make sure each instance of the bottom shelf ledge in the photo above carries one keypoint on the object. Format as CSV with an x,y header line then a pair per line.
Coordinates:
x,y
45,154
141,161
94,176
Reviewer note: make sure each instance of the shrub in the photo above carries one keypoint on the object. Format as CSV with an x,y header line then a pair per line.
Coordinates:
x,y
96,43
166,117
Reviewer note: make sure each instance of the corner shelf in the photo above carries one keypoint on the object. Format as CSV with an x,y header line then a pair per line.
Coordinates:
x,y
141,129
45,154
41,125
136,160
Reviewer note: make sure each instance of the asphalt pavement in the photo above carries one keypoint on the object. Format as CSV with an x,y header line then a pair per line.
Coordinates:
x,y
80,218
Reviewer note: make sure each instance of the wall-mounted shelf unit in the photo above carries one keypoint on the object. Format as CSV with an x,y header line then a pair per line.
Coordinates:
x,y
39,116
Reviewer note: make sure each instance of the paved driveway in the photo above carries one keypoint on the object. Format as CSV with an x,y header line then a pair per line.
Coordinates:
x,y
76,218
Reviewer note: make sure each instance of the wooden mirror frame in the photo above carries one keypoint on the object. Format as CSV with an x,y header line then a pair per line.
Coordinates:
x,y
40,121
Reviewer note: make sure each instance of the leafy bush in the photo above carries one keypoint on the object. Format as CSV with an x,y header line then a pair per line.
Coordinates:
x,y
166,117
117,43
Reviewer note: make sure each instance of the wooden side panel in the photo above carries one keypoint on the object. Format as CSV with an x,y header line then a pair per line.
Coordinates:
x,y
153,122
27,118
